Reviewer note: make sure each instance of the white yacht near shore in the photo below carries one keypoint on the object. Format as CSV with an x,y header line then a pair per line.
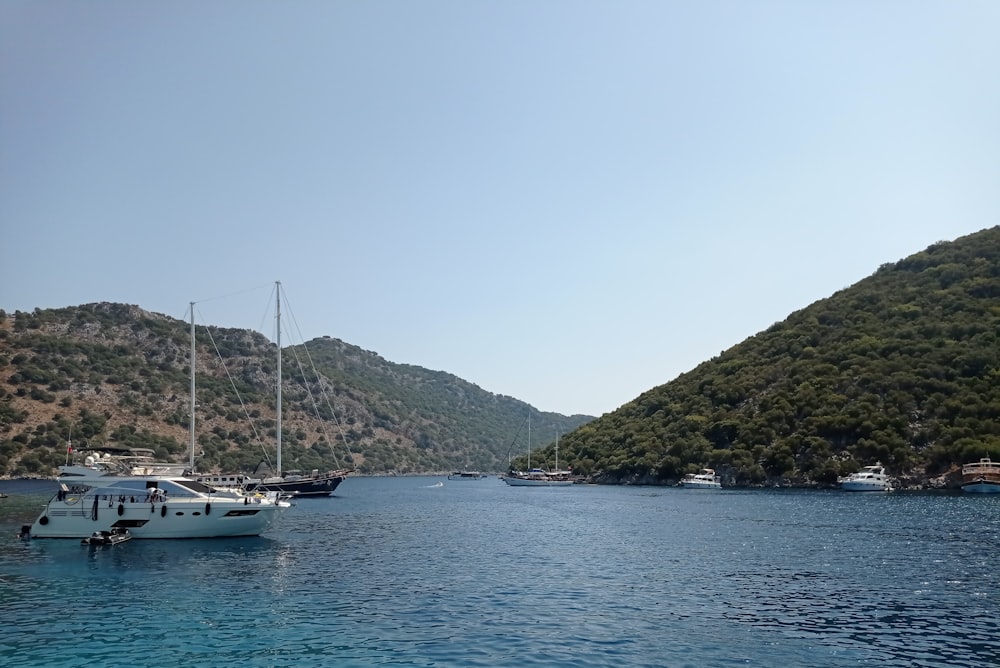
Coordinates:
x,y
869,479
704,479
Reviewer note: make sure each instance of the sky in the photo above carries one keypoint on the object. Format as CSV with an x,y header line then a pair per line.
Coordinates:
x,y
565,201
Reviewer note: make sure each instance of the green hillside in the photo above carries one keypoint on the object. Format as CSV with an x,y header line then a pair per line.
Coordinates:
x,y
902,367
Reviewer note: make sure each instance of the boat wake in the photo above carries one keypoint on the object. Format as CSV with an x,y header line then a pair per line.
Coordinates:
x,y
437,484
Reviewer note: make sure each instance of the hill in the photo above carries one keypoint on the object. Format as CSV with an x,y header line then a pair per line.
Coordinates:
x,y
114,375
902,367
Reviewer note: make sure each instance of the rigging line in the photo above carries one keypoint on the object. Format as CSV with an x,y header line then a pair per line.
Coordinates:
x,y
322,386
232,383
269,309
291,314
514,440
312,399
231,294
187,309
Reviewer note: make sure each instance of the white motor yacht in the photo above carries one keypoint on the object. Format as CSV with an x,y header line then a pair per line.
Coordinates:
x,y
704,479
869,479
150,500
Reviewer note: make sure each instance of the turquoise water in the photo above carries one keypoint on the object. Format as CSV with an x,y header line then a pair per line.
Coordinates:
x,y
397,571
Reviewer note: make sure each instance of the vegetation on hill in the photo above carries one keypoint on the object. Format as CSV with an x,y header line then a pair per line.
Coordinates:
x,y
113,375
902,367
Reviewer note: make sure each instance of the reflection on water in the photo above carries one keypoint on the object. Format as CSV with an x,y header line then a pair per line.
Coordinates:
x,y
406,572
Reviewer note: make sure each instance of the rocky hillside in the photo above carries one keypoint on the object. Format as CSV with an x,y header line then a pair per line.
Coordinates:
x,y
113,375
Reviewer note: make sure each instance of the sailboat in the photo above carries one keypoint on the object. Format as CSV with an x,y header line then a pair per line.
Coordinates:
x,y
293,483
535,477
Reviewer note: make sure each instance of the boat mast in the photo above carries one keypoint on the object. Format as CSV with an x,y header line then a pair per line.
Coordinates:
x,y
277,311
557,451
191,421
529,441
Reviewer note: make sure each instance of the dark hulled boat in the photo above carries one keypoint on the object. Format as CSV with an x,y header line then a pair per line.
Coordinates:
x,y
298,484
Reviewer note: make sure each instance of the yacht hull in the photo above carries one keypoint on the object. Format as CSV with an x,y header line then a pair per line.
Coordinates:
x,y
862,486
984,487
982,477
523,482
701,484
319,486
155,520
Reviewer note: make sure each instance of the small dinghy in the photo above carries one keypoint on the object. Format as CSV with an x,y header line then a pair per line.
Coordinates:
x,y
113,537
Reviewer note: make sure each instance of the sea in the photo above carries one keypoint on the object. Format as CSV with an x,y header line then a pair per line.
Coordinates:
x,y
425,571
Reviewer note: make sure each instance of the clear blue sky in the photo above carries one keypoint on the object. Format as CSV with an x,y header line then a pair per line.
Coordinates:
x,y
565,201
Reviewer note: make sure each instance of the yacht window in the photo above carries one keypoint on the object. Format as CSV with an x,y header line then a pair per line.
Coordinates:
x,y
175,488
135,486
194,486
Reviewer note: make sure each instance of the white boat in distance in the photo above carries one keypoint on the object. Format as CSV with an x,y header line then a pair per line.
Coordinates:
x,y
466,475
982,477
869,479
115,492
704,479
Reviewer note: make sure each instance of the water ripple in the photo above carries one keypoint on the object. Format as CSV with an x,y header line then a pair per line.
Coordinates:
x,y
396,573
